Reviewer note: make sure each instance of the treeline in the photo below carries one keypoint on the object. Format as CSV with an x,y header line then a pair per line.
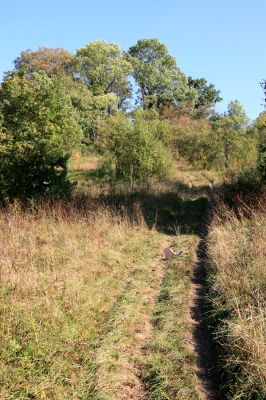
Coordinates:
x,y
135,107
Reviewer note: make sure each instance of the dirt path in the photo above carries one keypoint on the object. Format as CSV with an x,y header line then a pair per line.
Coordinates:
x,y
119,358
207,370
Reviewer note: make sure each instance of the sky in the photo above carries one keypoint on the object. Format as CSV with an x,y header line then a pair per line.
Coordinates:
x,y
222,41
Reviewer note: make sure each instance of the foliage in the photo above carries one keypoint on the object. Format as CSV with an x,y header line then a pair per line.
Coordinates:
x,y
207,95
159,79
260,128
134,148
191,139
89,109
263,86
236,116
40,131
104,68
232,142
51,61
221,142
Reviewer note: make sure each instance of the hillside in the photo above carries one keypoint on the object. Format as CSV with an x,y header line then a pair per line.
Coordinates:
x,y
89,308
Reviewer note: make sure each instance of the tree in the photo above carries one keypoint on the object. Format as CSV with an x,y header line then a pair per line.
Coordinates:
x,y
89,109
104,68
263,85
159,79
39,132
59,64
51,61
190,137
230,131
236,115
207,95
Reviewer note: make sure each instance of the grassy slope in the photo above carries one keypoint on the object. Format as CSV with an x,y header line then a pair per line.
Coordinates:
x,y
237,274
86,310
62,278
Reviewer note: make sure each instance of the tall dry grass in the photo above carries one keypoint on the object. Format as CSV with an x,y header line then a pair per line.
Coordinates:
x,y
63,270
237,273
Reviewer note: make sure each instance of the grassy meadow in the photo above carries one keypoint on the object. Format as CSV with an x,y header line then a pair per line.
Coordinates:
x,y
89,310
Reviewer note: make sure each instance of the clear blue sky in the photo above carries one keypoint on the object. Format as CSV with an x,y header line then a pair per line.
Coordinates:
x,y
222,41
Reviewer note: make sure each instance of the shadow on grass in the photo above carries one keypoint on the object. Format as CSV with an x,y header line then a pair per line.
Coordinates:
x,y
84,176
170,208
167,212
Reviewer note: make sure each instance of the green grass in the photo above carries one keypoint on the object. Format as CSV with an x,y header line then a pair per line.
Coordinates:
x,y
88,308
62,277
117,363
170,361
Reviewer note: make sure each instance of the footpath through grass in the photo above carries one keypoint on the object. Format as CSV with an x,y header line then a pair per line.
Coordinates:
x,y
170,361
89,310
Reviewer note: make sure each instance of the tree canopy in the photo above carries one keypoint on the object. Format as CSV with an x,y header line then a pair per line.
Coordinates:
x,y
104,68
51,61
207,95
159,79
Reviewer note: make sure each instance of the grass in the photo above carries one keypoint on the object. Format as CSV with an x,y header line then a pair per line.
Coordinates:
x,y
117,363
62,274
79,294
237,274
170,361
88,308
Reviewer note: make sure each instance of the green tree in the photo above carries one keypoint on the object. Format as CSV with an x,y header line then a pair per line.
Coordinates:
x,y
104,68
263,86
207,96
59,64
89,109
159,79
231,141
39,131
236,116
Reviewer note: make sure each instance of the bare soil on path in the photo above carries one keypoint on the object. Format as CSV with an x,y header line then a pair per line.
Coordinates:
x,y
207,363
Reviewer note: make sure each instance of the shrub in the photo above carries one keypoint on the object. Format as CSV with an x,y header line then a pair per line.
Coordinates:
x,y
134,149
222,147
191,138
39,131
260,128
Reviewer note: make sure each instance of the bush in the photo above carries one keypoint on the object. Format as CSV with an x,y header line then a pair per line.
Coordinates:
x,y
134,149
38,133
220,148
191,138
260,129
